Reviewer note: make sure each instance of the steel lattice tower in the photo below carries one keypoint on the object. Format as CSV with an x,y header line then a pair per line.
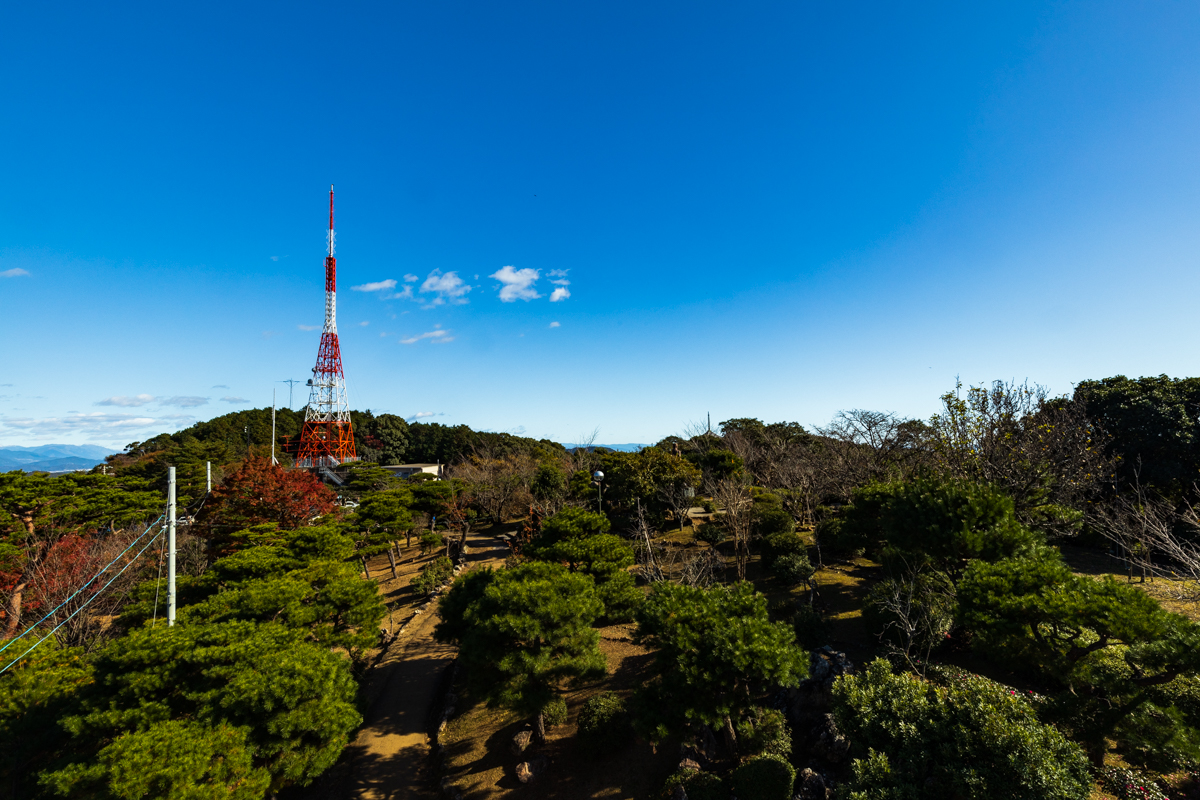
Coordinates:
x,y
327,437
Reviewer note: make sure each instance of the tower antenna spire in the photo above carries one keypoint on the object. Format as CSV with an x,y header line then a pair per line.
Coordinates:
x,y
327,437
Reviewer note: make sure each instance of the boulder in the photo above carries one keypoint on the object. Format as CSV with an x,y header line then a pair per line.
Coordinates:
x,y
829,743
528,771
521,740
689,764
810,785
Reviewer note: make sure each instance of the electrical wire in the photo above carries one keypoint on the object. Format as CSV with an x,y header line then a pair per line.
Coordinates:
x,y
162,551
89,583
81,608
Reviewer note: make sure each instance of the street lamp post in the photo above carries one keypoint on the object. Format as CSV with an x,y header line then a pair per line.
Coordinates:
x,y
598,482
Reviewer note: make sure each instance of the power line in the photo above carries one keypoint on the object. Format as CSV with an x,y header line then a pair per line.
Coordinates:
x,y
81,608
89,583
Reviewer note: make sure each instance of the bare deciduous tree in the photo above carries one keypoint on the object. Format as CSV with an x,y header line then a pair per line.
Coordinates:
x,y
733,498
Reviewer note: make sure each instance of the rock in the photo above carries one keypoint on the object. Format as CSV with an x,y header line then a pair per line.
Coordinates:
x,y
528,771
830,744
521,740
689,764
810,785
679,794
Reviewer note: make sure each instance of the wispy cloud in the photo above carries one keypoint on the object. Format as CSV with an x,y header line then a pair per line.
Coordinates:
x,y
559,278
234,400
517,284
309,327
220,386
15,272
183,401
95,423
127,402
377,286
363,324
411,279
424,414
555,325
269,334
447,287
404,294
438,334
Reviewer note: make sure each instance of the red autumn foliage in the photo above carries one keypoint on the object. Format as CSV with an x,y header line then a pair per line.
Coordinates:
x,y
257,491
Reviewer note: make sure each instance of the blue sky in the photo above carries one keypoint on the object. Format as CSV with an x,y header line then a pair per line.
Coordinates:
x,y
762,209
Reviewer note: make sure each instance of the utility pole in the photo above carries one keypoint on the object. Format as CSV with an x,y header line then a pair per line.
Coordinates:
x,y
291,384
170,546
247,429
273,461
208,476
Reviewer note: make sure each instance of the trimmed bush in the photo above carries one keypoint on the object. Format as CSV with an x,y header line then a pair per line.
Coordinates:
x,y
793,569
781,544
429,542
767,777
771,520
604,724
555,712
698,785
712,532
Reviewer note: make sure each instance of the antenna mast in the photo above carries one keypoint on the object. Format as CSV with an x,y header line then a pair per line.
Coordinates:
x,y
327,437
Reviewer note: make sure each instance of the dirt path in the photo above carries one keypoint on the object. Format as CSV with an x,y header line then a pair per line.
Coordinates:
x,y
389,757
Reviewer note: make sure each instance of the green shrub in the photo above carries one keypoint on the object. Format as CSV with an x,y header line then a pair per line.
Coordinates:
x,y
793,569
989,743
812,630
555,712
698,785
836,540
1129,785
604,724
766,777
764,731
771,520
780,544
712,532
433,575
708,506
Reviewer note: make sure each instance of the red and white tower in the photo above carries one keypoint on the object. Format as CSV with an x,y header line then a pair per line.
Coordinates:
x,y
327,437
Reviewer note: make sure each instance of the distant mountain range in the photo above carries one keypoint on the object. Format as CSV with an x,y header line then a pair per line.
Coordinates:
x,y
625,448
52,457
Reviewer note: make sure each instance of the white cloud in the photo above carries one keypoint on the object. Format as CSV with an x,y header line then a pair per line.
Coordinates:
x,y
269,334
274,258
558,273
97,422
128,402
183,401
561,293
424,414
220,386
403,294
309,327
377,286
446,287
411,279
555,325
437,334
363,324
15,272
234,400
518,284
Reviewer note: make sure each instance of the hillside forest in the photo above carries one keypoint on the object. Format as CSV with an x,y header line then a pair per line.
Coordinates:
x,y
1000,601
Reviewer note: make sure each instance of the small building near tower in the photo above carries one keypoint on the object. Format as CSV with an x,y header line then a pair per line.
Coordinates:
x,y
438,471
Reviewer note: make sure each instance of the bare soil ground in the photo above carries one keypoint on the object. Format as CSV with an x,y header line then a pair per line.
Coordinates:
x,y
480,763
389,757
